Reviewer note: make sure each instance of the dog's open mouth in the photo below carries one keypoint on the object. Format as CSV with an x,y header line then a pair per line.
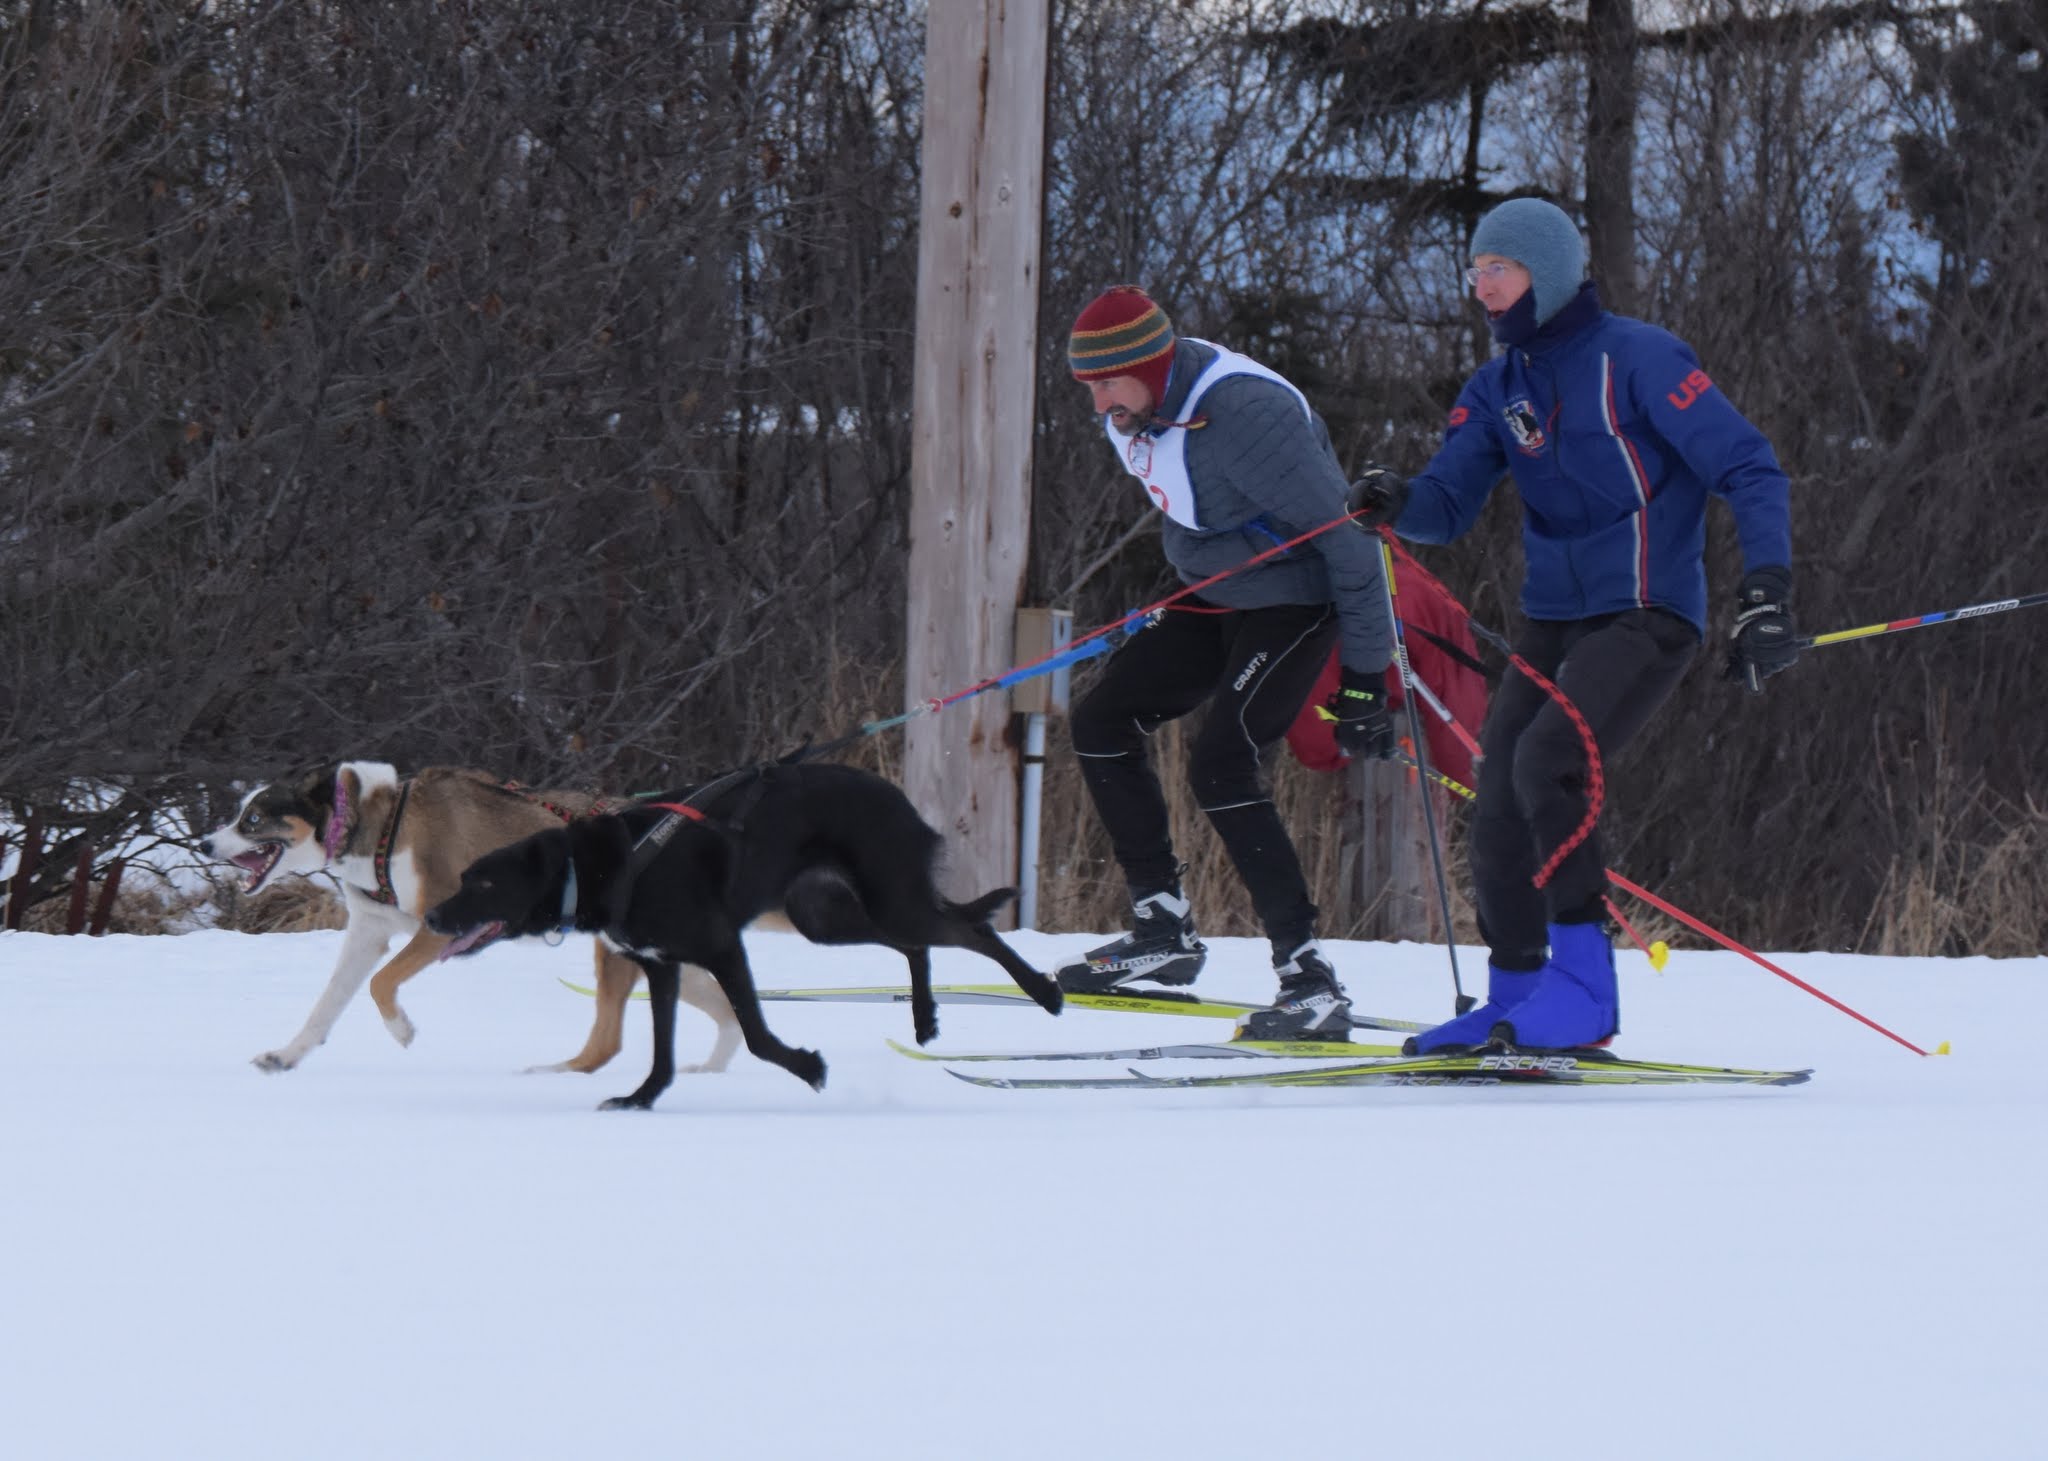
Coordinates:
x,y
475,939
257,864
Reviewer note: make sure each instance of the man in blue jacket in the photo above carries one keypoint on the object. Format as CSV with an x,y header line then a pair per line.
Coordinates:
x,y
1237,463
1614,436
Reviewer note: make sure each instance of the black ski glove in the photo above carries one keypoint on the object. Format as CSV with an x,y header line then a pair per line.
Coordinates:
x,y
1378,497
1365,727
1763,641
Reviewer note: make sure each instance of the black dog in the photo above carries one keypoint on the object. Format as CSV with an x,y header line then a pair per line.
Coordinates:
x,y
841,852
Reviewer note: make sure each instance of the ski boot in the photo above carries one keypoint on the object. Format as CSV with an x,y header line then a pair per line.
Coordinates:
x,y
1312,1004
1505,988
1575,1002
1161,947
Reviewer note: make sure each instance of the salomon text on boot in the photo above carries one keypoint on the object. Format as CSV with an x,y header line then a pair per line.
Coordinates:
x,y
1160,948
1312,1004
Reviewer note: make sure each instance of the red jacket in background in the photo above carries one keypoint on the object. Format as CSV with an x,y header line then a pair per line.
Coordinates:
x,y
1423,604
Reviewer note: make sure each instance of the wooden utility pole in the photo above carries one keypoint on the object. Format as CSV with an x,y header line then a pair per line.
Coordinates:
x,y
974,401
1611,149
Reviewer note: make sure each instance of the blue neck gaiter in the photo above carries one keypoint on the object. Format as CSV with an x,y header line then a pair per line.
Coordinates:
x,y
1517,328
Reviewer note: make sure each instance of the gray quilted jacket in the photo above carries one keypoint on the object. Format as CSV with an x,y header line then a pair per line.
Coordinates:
x,y
1265,473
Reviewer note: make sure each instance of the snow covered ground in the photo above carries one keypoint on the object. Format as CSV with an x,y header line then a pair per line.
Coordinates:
x,y
422,1253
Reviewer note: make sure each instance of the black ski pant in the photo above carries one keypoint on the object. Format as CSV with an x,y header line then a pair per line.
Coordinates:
x,y
1253,668
1617,669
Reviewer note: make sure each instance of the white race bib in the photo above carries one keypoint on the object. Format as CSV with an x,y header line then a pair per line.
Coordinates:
x,y
1160,462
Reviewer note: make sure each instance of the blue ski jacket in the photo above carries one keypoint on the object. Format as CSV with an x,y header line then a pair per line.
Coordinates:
x,y
1614,436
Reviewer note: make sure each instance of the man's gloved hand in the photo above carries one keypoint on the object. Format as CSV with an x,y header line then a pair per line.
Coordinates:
x,y
1763,641
1377,497
1365,727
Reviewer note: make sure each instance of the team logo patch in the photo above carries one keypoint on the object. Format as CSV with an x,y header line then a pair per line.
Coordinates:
x,y
1526,425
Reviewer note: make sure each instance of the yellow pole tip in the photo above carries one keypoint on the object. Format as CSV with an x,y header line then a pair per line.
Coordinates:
x,y
1942,1048
1660,955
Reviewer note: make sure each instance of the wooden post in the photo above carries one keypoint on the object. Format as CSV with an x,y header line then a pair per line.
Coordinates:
x,y
25,869
81,888
103,911
1390,873
1611,149
974,402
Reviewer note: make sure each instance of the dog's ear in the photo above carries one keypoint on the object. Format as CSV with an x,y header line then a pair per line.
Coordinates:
x,y
602,842
599,847
543,867
314,785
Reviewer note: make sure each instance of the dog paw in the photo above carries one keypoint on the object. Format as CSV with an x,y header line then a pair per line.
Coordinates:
x,y
626,1103
270,1062
400,1026
810,1068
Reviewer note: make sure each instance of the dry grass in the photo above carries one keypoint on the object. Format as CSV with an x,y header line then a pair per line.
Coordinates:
x,y
296,905
1960,897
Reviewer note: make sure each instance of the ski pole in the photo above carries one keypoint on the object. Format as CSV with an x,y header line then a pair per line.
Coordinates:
x,y
1456,788
1680,914
1460,1000
1656,951
1134,616
1596,773
1728,943
1945,616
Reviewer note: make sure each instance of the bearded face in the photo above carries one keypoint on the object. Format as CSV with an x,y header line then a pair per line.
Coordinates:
x,y
1124,400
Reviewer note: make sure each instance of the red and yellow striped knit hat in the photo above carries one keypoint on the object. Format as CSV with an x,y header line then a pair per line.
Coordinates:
x,y
1122,332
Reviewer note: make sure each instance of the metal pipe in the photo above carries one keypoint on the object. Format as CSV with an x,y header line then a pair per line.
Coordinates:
x,y
1027,832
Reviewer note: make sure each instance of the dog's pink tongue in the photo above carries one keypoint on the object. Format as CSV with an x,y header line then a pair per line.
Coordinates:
x,y
483,933
257,865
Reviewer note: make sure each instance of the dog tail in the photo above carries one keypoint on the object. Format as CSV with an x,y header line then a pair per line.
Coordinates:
x,y
982,909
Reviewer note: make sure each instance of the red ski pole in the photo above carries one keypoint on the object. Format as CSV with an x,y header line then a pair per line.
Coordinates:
x,y
1693,923
1728,943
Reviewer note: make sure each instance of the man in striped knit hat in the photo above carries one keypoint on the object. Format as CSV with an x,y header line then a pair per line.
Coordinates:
x,y
1237,462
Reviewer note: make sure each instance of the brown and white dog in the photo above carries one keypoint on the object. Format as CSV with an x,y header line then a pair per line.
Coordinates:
x,y
398,847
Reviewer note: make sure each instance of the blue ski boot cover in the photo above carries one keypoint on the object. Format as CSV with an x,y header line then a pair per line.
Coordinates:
x,y
1505,988
1575,1001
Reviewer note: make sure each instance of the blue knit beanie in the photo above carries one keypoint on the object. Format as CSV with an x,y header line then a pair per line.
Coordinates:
x,y
1542,238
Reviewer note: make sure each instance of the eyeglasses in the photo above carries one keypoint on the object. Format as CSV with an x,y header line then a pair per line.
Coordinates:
x,y
1486,271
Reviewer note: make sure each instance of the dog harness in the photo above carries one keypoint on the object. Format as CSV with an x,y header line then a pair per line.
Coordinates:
x,y
681,809
380,860
657,837
336,838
